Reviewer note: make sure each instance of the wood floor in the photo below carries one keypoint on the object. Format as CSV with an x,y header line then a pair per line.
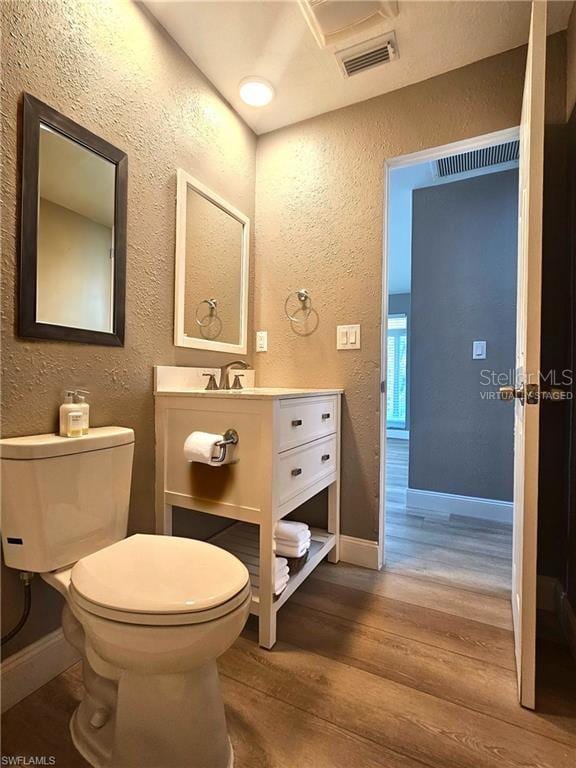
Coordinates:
x,y
402,668
449,549
371,670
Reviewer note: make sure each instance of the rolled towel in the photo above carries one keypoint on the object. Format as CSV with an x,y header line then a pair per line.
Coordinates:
x,y
201,447
290,529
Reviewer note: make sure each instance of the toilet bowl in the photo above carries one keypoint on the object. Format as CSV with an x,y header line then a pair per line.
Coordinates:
x,y
148,614
151,614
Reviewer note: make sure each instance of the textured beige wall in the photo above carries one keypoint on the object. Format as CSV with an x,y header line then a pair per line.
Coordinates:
x,y
571,64
106,65
319,216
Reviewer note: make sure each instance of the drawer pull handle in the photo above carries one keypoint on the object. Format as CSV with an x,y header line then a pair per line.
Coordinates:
x,y
296,472
296,422
326,457
325,416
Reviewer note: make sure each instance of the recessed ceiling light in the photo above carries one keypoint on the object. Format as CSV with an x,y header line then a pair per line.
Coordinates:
x,y
256,92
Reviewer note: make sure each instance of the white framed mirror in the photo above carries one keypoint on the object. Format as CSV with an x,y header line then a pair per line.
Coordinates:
x,y
212,267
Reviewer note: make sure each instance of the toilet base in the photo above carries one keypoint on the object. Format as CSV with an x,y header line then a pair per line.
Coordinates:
x,y
97,753
91,746
149,728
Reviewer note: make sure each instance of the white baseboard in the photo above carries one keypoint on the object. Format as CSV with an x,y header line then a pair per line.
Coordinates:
x,y
467,506
359,552
29,669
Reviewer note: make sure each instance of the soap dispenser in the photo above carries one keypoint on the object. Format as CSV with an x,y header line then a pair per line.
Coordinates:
x,y
84,408
74,420
66,409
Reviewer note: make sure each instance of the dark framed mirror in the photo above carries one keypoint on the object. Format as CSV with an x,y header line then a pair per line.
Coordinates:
x,y
73,231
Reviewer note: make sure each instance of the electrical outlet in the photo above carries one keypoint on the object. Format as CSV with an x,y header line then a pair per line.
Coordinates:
x,y
261,341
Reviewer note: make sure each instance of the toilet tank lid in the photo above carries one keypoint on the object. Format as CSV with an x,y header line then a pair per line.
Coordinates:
x,y
51,445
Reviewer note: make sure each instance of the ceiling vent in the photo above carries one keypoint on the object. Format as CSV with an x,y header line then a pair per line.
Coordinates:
x,y
478,158
337,22
373,53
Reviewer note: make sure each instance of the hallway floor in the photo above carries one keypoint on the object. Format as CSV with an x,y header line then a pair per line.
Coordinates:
x,y
455,550
372,670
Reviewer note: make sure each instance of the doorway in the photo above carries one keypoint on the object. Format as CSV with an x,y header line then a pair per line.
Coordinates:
x,y
449,343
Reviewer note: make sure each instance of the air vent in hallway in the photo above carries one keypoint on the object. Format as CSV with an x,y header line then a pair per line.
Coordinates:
x,y
373,53
478,158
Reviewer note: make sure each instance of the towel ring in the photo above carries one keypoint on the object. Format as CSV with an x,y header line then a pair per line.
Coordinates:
x,y
303,297
212,312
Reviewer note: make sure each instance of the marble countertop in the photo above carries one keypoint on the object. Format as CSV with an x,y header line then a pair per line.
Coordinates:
x,y
255,393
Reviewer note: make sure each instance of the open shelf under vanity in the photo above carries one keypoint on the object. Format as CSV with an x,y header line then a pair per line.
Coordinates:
x,y
246,547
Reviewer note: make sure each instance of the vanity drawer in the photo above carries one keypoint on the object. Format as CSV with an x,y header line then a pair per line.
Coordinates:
x,y
304,419
303,467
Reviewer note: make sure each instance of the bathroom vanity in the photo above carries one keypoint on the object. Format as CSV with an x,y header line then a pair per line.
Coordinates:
x,y
288,451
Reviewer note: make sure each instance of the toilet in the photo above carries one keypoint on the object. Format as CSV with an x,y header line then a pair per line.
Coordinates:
x,y
149,614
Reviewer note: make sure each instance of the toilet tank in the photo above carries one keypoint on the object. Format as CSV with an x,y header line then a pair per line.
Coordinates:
x,y
64,498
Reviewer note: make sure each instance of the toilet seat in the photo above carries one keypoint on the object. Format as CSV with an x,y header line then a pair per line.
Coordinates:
x,y
161,619
159,580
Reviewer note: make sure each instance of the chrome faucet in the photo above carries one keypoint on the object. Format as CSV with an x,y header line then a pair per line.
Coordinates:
x,y
225,372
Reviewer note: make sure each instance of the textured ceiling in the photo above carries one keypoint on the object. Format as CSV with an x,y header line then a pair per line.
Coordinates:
x,y
230,40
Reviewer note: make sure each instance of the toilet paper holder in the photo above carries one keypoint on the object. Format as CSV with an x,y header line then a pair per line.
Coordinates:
x,y
230,438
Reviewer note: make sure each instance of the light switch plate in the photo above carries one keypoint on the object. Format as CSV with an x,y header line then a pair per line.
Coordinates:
x,y
348,337
478,350
261,341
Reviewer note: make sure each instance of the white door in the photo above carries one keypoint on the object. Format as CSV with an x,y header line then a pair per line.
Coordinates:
x,y
526,407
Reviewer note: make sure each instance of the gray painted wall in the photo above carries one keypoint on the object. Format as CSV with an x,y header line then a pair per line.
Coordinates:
x,y
399,304
463,289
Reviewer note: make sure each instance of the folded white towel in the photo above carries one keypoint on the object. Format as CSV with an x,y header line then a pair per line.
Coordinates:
x,y
280,587
201,447
296,550
279,582
290,529
280,573
302,539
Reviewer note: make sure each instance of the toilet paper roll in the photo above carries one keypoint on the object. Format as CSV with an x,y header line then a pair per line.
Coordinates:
x,y
201,447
